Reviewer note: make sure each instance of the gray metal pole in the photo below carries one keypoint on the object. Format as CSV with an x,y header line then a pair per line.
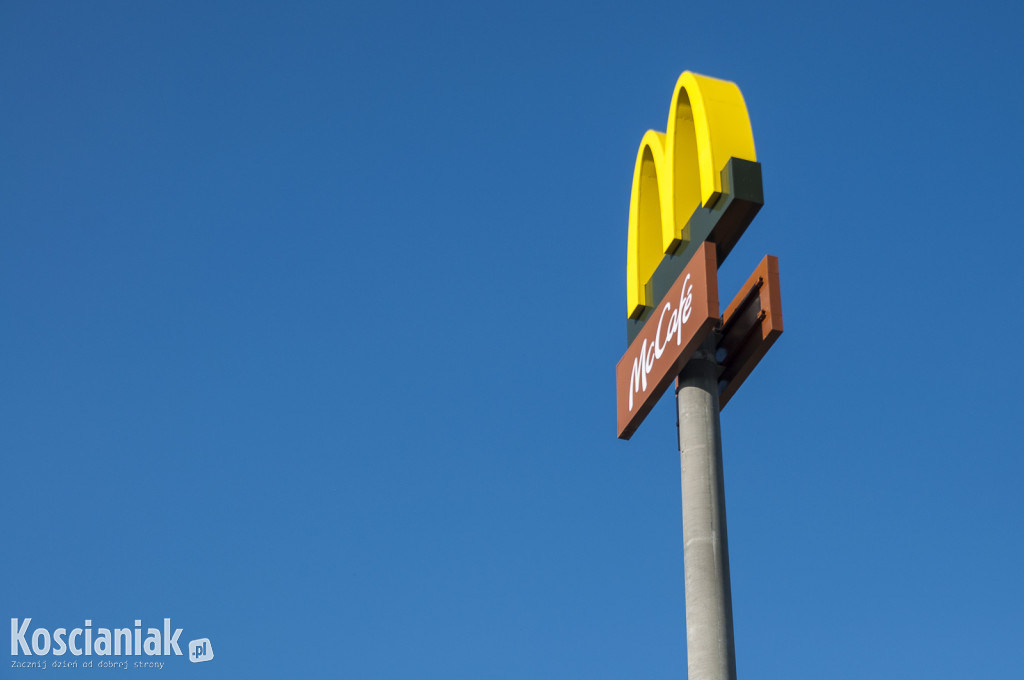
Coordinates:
x,y
710,651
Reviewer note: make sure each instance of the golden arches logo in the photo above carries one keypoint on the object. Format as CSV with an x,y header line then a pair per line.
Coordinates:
x,y
679,172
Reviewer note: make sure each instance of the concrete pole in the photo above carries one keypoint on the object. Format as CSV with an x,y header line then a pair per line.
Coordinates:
x,y
710,651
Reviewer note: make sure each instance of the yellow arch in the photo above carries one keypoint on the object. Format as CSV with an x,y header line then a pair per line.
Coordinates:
x,y
678,171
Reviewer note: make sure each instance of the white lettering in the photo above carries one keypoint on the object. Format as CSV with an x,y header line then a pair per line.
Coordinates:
x,y
122,635
38,648
58,642
18,637
119,641
102,644
659,349
685,304
152,644
637,376
644,361
170,641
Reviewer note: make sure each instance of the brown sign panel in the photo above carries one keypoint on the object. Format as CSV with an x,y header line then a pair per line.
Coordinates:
x,y
750,325
680,322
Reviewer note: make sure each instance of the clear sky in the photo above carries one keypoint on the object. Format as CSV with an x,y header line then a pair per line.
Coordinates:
x,y
310,314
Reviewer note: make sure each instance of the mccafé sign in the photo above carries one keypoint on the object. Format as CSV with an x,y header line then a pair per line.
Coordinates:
x,y
682,320
696,187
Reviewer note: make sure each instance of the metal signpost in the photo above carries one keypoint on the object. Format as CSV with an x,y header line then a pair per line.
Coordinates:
x,y
696,187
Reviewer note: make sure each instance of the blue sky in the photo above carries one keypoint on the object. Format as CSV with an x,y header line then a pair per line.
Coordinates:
x,y
310,315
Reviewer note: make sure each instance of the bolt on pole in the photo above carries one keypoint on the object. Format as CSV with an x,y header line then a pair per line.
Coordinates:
x,y
710,650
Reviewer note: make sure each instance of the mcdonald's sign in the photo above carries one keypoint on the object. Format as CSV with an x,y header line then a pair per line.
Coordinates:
x,y
696,188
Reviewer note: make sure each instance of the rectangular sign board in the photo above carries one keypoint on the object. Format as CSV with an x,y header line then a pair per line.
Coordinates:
x,y
680,322
750,326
